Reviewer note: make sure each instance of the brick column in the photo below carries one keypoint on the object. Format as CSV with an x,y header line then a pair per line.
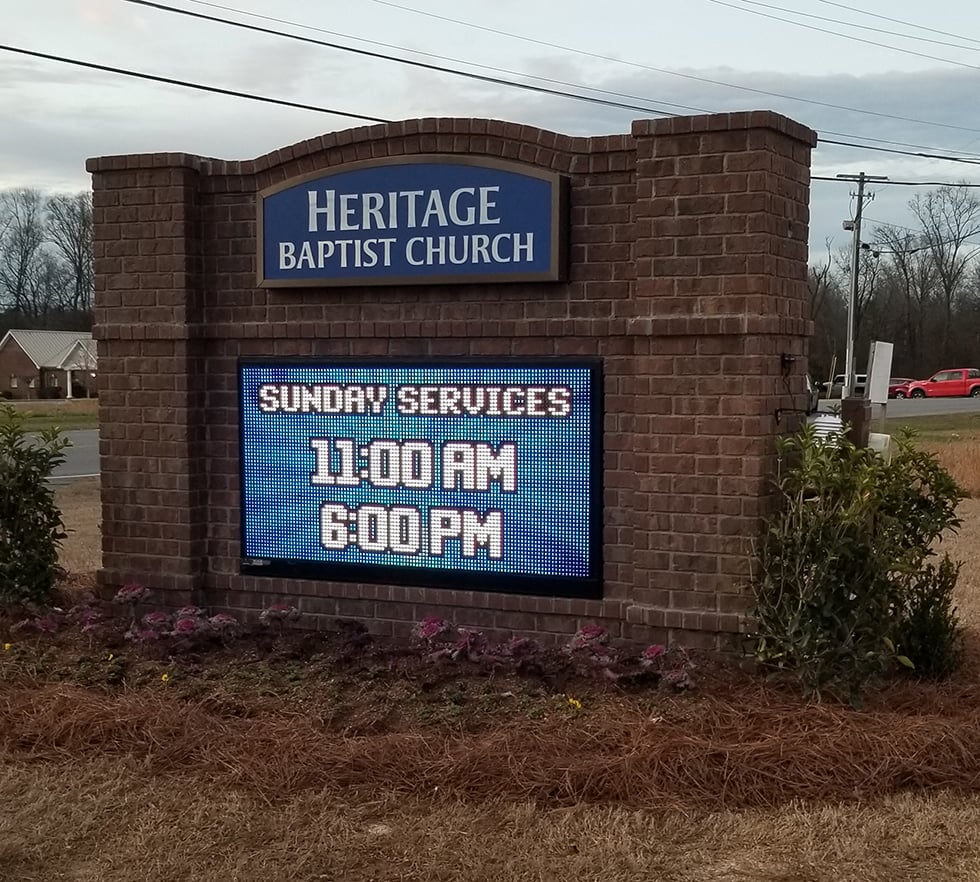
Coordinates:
x,y
721,246
148,304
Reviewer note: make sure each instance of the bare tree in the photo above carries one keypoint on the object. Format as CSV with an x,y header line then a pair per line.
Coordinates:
x,y
911,274
69,229
948,216
821,285
22,226
50,285
868,282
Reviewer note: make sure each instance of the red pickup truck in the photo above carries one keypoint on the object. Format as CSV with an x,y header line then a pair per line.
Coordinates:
x,y
947,384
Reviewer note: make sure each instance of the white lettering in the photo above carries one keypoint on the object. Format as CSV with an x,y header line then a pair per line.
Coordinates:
x,y
372,211
334,532
480,243
347,211
486,205
410,251
370,255
495,248
305,257
527,248
469,217
446,523
473,465
411,199
434,207
316,211
408,399
435,254
486,533
455,258
405,530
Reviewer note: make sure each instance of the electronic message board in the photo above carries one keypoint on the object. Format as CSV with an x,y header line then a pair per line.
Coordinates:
x,y
468,474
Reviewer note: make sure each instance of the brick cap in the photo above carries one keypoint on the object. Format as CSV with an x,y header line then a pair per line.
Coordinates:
x,y
725,122
132,161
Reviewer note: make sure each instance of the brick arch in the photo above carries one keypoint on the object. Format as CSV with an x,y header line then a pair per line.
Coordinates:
x,y
489,137
481,137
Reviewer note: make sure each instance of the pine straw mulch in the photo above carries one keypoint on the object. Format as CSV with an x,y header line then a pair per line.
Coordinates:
x,y
754,748
291,715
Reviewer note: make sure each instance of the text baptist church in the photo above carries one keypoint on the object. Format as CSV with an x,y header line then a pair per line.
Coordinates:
x,y
357,213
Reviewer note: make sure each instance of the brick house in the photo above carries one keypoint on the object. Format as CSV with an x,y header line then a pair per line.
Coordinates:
x,y
47,364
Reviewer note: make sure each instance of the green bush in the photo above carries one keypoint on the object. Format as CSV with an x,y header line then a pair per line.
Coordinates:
x,y
843,589
929,632
31,529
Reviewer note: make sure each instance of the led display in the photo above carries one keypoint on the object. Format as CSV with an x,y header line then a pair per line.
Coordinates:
x,y
467,474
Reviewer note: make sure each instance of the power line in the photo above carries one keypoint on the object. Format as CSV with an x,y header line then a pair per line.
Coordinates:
x,y
359,116
347,114
800,24
481,77
170,81
899,152
922,235
898,21
903,183
600,57
365,53
861,27
902,143
422,52
346,36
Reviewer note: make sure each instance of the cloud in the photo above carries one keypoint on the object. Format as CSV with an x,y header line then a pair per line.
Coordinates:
x,y
58,116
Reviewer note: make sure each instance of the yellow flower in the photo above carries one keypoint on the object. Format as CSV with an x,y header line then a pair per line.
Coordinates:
x,y
575,703
6,646
110,657
165,678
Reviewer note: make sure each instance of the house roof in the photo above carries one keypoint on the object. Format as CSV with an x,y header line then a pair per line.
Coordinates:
x,y
55,349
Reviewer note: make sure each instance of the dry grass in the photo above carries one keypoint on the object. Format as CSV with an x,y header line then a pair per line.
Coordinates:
x,y
103,821
961,457
81,509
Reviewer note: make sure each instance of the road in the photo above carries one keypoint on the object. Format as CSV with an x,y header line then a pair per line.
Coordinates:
x,y
82,458
910,407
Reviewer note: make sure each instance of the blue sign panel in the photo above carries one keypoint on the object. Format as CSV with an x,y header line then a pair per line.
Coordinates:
x,y
473,475
413,220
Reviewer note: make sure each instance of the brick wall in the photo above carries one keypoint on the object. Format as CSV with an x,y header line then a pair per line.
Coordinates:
x,y
14,362
688,250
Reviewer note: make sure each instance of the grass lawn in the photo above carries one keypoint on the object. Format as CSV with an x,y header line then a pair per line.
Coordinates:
x,y
274,768
943,427
955,438
79,413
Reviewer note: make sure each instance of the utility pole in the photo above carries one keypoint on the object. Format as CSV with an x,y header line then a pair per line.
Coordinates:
x,y
854,225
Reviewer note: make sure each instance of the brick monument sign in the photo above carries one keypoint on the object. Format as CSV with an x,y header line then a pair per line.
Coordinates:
x,y
455,367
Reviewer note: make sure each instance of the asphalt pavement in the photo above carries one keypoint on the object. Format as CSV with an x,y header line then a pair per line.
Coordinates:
x,y
82,458
910,407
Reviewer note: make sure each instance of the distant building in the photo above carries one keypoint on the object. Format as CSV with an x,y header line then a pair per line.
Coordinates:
x,y
48,364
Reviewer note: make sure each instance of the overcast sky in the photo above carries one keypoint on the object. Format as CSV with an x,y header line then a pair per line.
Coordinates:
x,y
660,54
